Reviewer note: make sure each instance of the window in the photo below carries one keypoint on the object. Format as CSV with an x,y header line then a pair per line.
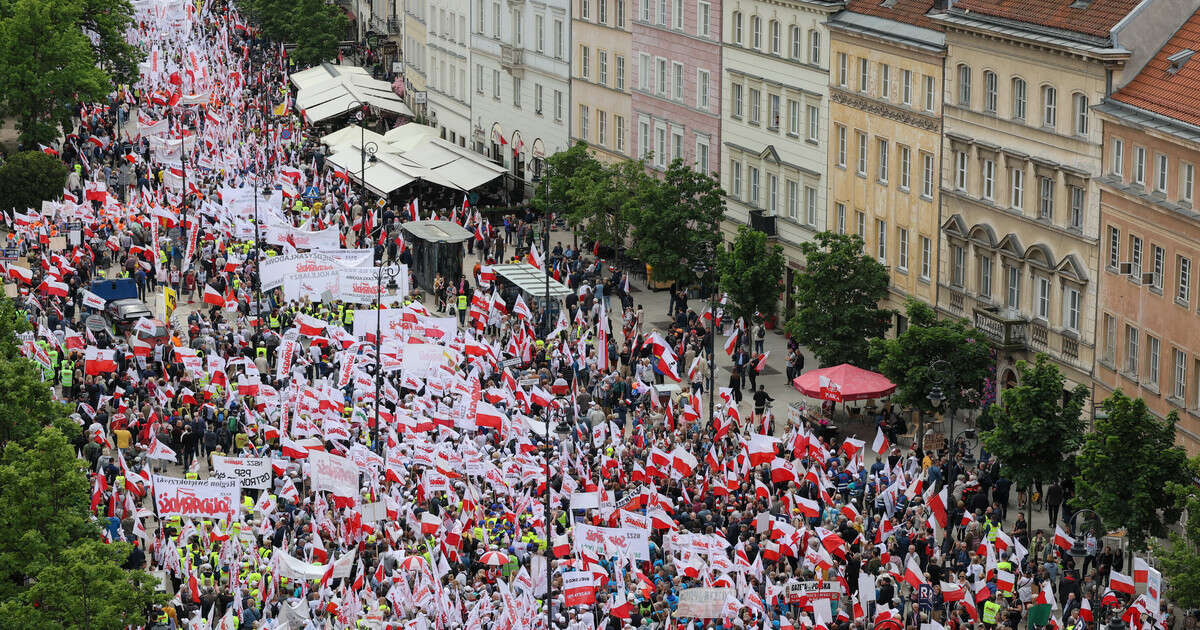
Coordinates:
x,y
1139,166
958,269
964,86
905,166
1187,183
1152,352
754,106
990,91
735,178
702,154
1183,271
736,97
496,20
1114,247
775,35
1041,307
1046,198
1018,98
773,111
602,128
797,42
906,87
1013,282
585,62
677,81
677,19
756,32
479,26
1017,188
558,106
620,13
814,47
772,193
863,74
1159,259
704,19
737,27
662,12
985,277
881,240
930,93
843,68
619,131
1180,388
583,122
537,98
1117,164
902,248
814,123
602,11
644,138
479,78
960,170
602,67
810,205
927,175
1076,207
1160,174
841,218
496,84
620,72
1071,306
702,89
753,185
539,33
885,81
860,220
989,180
662,77
841,145
516,92
1081,115
1135,255
644,72
793,118
861,167
585,9
558,39
1110,338
676,145
1049,106
883,160
660,147
926,257
793,200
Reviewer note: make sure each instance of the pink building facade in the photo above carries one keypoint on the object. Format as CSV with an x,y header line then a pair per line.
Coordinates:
x,y
676,90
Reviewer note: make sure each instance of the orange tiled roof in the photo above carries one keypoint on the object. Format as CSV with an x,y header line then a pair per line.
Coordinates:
x,y
1095,18
907,11
1157,90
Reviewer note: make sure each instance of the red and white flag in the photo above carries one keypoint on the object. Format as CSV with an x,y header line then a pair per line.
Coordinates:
x,y
880,445
98,361
1065,542
1120,582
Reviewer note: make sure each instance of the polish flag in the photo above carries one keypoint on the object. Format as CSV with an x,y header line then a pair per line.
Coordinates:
x,y
937,504
562,546
1141,569
97,361
488,416
880,445
310,326
1085,610
731,343
213,296
912,573
430,524
953,592
1120,582
1065,542
292,449
534,258
683,461
808,507
1004,581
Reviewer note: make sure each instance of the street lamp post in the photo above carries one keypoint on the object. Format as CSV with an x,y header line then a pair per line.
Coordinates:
x,y
258,183
391,272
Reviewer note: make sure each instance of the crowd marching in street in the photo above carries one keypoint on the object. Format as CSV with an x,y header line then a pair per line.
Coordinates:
x,y
478,464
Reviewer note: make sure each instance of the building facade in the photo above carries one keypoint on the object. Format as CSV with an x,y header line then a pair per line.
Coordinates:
x,y
601,102
520,55
1147,344
885,147
1022,149
416,55
448,88
676,83
774,112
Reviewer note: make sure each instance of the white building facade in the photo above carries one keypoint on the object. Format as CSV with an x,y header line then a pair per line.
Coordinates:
x,y
448,75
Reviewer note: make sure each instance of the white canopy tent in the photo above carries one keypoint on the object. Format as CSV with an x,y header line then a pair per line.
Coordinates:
x,y
327,90
531,280
405,154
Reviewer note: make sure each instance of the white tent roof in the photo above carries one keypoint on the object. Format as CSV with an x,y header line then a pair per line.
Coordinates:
x,y
327,90
408,153
531,280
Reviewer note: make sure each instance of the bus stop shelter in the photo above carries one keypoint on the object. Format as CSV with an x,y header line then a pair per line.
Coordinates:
x,y
437,247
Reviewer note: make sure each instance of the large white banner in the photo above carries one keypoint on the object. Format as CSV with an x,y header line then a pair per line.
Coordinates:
x,y
203,498
239,202
290,270
337,475
250,472
295,568
610,541
393,325
359,286
326,239
422,360
703,603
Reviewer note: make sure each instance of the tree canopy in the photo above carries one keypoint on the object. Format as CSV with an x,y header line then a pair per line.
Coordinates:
x,y
1180,558
315,27
837,300
29,178
751,271
676,222
593,197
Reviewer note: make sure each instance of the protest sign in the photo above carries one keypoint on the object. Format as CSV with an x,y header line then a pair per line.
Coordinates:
x,y
609,541
204,498
334,474
702,603
250,472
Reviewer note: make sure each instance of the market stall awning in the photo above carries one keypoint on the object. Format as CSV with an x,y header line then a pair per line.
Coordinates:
x,y
434,231
843,382
327,91
531,280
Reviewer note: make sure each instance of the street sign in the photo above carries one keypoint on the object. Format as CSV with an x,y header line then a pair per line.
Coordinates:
x,y
9,254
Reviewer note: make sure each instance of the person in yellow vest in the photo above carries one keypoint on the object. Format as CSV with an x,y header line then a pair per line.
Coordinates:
x,y
991,611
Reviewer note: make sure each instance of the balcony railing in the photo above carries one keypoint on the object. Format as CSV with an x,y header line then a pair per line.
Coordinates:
x,y
956,301
761,221
1005,331
1070,347
511,57
394,26
1039,336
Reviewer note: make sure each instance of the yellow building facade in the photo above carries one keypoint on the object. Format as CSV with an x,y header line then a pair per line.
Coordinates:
x,y
601,77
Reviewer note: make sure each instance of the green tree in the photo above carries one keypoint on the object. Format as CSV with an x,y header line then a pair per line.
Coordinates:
x,y
316,29
589,194
1124,465
110,20
1180,558
675,222
1034,429
29,178
46,65
12,322
837,300
751,271
44,508
27,403
88,589
908,360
